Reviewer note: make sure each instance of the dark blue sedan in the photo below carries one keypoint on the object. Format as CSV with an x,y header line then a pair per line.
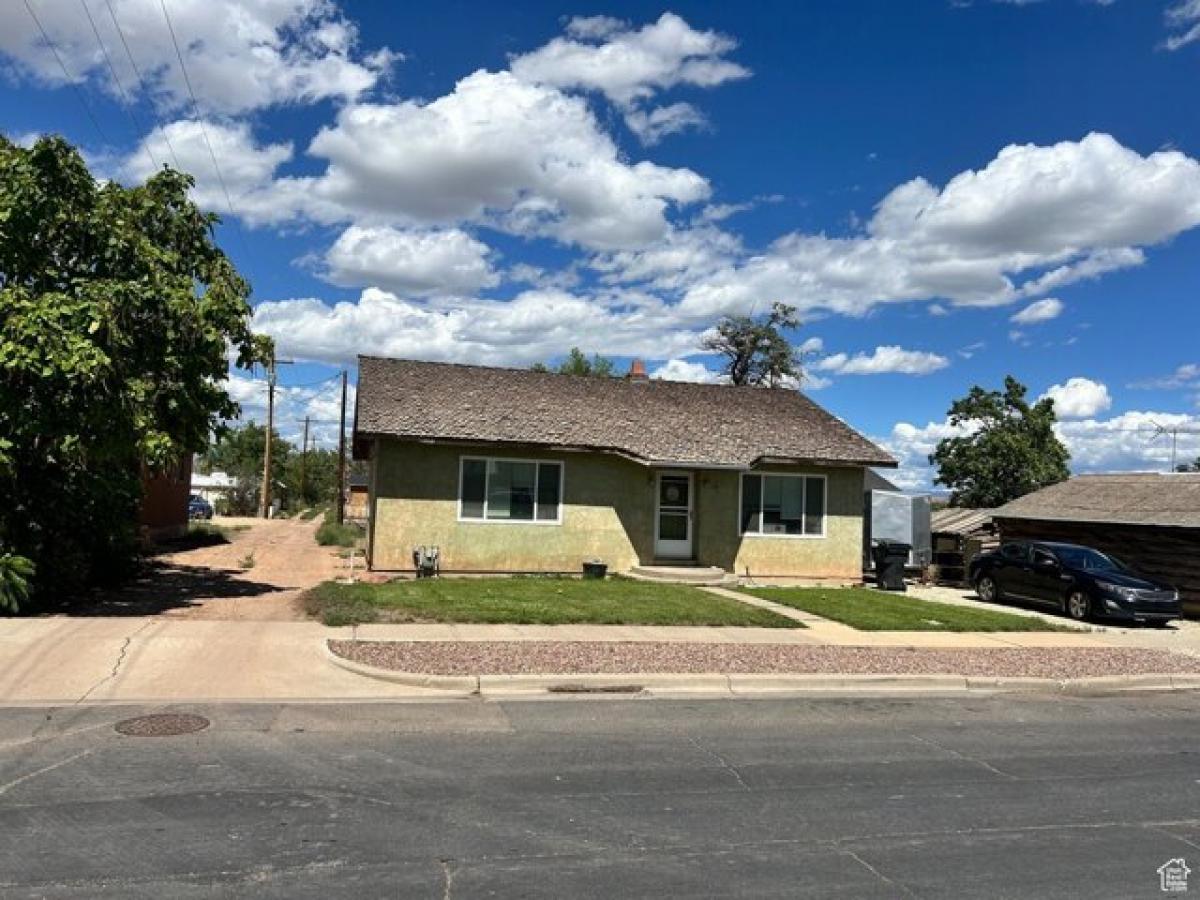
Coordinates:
x,y
1080,581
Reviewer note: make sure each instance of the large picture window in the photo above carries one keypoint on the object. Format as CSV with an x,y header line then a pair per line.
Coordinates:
x,y
510,490
783,505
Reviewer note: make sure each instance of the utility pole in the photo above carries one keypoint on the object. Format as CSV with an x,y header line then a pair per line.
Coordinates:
x,y
304,464
341,497
264,499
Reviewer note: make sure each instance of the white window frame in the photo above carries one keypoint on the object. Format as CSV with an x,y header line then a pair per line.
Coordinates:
x,y
537,474
803,505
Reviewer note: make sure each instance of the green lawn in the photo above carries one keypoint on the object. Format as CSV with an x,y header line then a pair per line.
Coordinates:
x,y
532,601
871,610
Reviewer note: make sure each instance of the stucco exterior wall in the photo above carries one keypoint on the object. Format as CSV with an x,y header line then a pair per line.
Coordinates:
x,y
837,555
608,513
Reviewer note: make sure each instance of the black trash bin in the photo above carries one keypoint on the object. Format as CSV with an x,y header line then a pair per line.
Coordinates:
x,y
890,559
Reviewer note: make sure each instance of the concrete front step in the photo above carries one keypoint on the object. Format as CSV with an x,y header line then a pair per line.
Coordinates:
x,y
687,574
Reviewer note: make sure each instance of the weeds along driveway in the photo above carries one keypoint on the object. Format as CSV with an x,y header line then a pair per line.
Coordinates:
x,y
257,576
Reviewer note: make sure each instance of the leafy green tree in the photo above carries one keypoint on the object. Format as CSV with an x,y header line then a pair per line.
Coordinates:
x,y
576,363
118,313
755,350
1011,450
238,452
319,483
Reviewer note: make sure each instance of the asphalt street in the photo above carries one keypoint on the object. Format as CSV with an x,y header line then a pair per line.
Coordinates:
x,y
574,798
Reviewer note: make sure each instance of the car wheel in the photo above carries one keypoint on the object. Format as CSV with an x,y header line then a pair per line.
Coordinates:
x,y
987,589
1078,605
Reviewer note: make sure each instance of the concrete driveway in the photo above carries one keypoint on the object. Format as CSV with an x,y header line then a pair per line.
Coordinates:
x,y
1181,636
68,661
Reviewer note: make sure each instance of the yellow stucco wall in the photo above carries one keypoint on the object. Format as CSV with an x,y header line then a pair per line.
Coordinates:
x,y
608,514
836,555
605,514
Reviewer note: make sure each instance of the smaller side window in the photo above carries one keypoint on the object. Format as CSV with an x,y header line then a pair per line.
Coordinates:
x,y
1014,552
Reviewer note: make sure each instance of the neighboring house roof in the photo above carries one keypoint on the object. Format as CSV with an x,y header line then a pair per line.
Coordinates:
x,y
671,422
954,520
1143,498
214,481
358,481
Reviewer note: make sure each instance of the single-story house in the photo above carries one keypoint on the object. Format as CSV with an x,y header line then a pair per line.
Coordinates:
x,y
1149,520
214,486
508,470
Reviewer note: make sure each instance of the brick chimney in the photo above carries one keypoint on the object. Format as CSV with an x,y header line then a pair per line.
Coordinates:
x,y
637,371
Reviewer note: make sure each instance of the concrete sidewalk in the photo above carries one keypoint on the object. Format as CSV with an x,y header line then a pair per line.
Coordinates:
x,y
76,660
65,661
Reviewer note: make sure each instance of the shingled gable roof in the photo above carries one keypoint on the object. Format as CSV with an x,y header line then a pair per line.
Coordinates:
x,y
654,422
1132,498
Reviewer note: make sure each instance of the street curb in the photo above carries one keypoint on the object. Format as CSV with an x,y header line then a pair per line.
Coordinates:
x,y
460,684
744,685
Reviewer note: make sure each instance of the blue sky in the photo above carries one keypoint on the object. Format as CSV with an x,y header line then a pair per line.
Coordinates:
x,y
950,192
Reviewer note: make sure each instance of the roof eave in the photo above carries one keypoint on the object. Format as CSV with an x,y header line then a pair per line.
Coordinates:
x,y
1046,517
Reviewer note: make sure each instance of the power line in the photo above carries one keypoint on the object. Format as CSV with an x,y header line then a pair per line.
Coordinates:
x,y
196,110
66,74
312,383
302,384
140,81
137,128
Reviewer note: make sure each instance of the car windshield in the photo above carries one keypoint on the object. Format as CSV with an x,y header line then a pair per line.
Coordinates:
x,y
1088,559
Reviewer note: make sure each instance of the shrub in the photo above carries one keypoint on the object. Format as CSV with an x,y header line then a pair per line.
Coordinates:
x,y
331,534
15,572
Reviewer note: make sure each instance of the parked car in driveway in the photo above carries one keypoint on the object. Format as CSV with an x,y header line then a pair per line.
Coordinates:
x,y
199,508
1080,581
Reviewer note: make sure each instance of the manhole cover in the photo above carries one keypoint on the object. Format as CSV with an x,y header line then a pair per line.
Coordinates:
x,y
162,725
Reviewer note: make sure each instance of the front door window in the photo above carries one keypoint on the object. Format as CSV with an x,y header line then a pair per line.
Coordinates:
x,y
673,537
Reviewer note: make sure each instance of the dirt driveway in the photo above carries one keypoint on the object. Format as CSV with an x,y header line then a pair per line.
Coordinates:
x,y
215,582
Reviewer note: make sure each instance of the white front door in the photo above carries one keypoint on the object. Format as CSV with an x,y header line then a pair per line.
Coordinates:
x,y
673,528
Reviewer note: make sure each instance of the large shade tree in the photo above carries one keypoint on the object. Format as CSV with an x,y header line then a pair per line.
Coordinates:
x,y
118,317
1010,448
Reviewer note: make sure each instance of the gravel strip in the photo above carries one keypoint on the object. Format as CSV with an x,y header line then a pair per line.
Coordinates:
x,y
613,658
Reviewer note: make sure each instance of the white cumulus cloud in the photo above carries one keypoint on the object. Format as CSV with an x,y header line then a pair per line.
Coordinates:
x,y
535,325
1079,398
629,66
247,167
410,261
1034,218
883,360
240,55
682,370
525,158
